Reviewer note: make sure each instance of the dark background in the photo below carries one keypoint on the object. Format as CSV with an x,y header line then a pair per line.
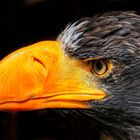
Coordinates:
x,y
23,22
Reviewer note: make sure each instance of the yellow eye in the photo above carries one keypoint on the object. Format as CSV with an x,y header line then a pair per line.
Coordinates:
x,y
99,67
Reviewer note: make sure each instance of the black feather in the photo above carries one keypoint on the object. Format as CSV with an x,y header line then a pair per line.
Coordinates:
x,y
114,36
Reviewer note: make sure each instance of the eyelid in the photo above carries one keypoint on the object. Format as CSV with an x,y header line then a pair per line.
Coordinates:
x,y
90,59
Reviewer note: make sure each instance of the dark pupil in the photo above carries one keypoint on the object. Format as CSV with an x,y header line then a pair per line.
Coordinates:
x,y
98,65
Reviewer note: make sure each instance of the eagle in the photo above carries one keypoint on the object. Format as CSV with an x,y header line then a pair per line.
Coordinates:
x,y
91,71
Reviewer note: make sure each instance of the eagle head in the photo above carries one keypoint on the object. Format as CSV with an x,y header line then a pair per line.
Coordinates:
x,y
92,71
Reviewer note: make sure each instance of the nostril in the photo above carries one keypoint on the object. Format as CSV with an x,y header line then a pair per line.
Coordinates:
x,y
38,61
39,68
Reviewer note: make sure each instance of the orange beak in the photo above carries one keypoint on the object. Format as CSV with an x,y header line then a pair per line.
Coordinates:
x,y
42,76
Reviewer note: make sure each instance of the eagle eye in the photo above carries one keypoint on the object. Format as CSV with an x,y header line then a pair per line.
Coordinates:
x,y
99,67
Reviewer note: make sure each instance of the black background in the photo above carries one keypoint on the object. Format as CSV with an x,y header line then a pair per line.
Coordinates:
x,y
24,22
